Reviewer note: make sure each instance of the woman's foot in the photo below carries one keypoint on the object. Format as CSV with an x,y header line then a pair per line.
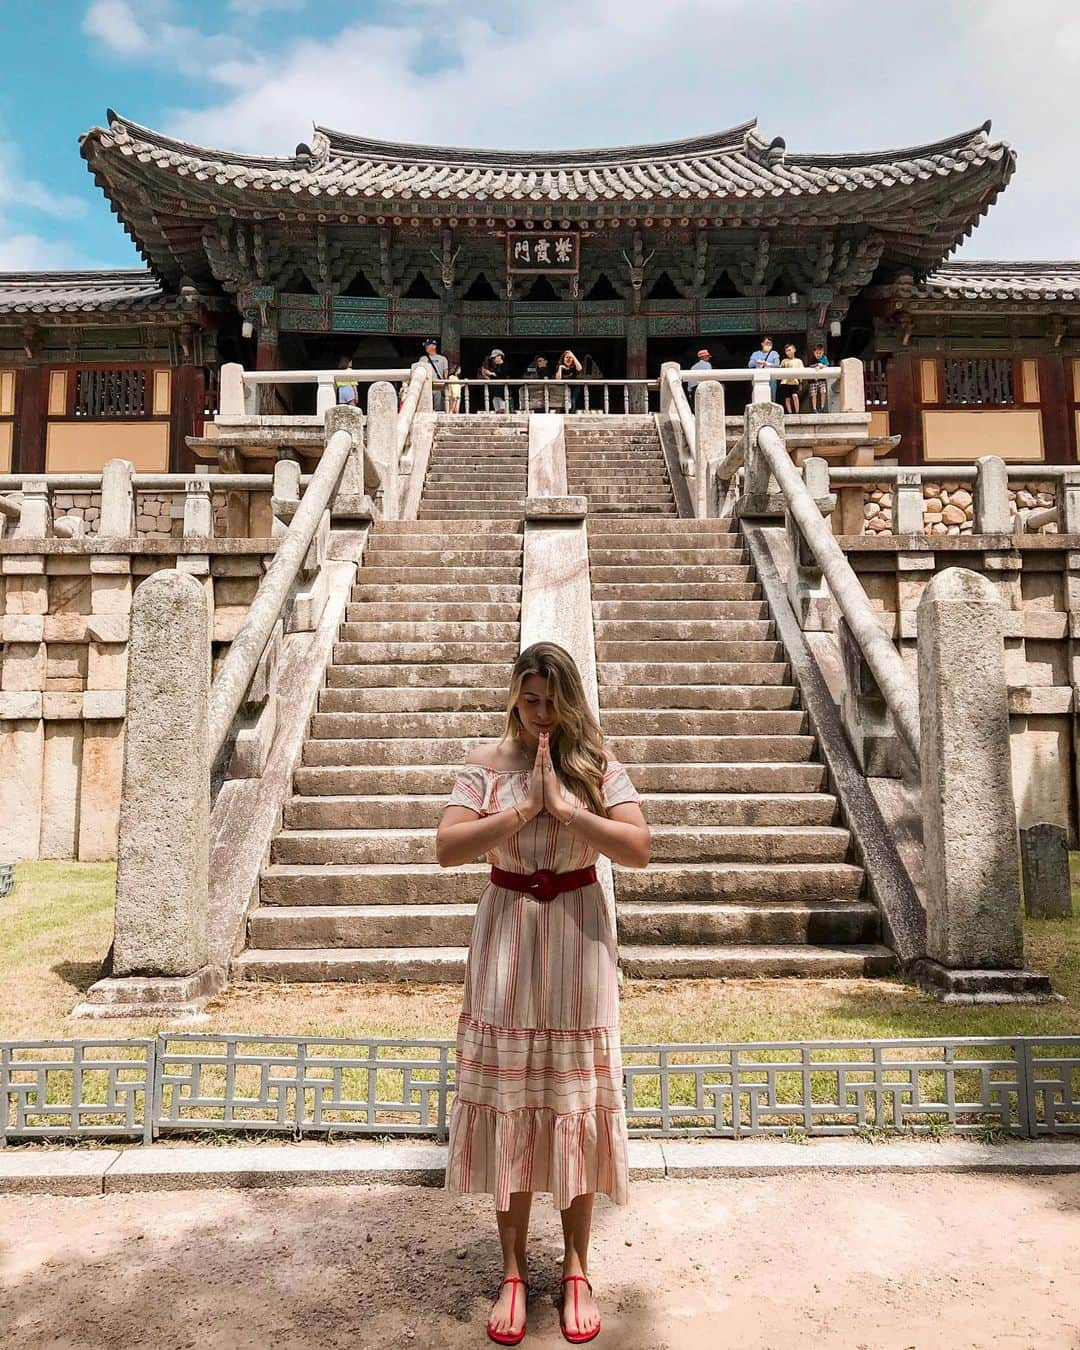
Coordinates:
x,y
506,1323
580,1311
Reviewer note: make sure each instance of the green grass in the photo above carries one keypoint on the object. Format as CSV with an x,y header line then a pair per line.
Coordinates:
x,y
56,926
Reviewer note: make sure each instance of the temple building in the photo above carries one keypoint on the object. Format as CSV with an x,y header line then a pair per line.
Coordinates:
x,y
631,256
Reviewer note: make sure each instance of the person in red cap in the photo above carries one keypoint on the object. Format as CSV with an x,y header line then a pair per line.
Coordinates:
x,y
704,362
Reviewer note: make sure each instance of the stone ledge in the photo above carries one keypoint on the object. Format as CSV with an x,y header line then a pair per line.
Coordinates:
x,y
556,508
164,1166
957,543
151,995
15,552
982,986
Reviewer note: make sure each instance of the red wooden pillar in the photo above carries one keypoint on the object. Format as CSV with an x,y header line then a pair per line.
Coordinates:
x,y
31,412
904,418
1059,433
188,393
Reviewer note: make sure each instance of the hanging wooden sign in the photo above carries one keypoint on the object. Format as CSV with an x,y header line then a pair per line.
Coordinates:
x,y
541,252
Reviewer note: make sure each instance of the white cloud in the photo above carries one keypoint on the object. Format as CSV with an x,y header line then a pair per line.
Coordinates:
x,y
27,252
252,9
593,72
22,247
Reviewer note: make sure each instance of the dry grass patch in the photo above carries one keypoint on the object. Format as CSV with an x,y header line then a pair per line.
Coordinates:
x,y
56,927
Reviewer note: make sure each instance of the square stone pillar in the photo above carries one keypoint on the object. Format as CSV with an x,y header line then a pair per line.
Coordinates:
x,y
806,586
975,941
760,496
865,714
710,436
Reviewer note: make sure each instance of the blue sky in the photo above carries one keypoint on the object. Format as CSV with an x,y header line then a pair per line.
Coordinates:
x,y
254,74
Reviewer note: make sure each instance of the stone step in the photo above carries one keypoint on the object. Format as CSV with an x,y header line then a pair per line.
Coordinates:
x,y
754,962
687,809
624,573
704,749
390,884
708,697
824,923
623,673
644,540
448,577
416,965
412,541
433,589
300,927
627,592
389,529
390,751
608,649
620,508
443,557
380,653
315,848
739,883
496,513
327,726
480,497
374,780
667,556
409,699
611,611
717,627
748,843
701,722
430,630
686,525
436,675
736,777
376,611
390,812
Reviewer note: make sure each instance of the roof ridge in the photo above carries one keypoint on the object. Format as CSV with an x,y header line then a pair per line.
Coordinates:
x,y
946,143
88,274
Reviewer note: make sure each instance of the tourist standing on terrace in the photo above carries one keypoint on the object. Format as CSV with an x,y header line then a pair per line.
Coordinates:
x,y
346,392
453,391
819,393
791,387
440,368
703,362
765,356
492,369
539,1104
569,368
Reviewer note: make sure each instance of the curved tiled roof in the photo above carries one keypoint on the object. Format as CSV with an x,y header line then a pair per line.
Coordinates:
x,y
999,281
926,197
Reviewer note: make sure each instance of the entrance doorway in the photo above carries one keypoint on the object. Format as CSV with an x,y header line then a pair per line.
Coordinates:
x,y
608,354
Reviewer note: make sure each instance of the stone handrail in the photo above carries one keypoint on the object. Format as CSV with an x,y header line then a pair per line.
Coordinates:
x,y
417,399
239,388
552,395
769,456
675,404
246,650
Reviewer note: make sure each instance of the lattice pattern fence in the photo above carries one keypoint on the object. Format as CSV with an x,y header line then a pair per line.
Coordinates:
x,y
307,1086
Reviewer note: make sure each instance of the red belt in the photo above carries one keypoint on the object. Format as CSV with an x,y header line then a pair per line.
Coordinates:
x,y
543,885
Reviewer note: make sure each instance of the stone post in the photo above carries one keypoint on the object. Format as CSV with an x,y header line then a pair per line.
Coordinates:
x,y
806,587
665,388
1044,855
757,478
117,500
162,859
907,506
710,436
1069,502
231,390
975,942
852,395
358,478
865,714
380,454
198,508
426,401
285,497
325,394
34,516
991,514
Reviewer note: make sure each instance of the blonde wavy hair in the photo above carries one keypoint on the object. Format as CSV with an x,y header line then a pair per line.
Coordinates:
x,y
577,746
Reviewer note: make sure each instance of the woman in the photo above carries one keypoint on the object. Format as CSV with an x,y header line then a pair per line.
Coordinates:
x,y
569,368
539,1103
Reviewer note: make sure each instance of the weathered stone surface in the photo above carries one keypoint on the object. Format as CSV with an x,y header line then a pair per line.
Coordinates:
x,y
21,761
161,898
973,889
99,798
60,789
1044,857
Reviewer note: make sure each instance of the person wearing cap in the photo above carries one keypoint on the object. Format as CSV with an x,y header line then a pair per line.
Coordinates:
x,y
492,369
703,362
440,368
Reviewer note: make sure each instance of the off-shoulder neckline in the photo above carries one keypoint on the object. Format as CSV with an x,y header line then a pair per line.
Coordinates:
x,y
491,768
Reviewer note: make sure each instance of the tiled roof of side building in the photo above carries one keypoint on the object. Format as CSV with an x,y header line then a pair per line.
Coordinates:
x,y
80,292
1023,281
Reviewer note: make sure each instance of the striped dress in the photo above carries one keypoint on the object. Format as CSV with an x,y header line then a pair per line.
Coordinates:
x,y
539,1104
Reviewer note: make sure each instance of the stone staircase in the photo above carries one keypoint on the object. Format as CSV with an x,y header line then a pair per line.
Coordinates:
x,y
751,875
478,469
618,463
418,677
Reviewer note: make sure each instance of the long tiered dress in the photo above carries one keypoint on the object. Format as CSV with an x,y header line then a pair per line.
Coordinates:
x,y
539,1104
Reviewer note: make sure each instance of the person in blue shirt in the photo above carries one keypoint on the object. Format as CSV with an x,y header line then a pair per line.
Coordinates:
x,y
819,393
765,356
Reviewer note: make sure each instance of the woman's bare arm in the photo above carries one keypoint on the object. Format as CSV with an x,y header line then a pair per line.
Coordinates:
x,y
623,835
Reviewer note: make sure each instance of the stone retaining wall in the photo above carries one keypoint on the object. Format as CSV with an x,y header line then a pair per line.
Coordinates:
x,y
948,508
157,515
64,618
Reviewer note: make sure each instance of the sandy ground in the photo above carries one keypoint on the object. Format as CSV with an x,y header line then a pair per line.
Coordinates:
x,y
866,1262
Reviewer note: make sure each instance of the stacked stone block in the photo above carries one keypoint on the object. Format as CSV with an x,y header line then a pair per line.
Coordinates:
x,y
948,506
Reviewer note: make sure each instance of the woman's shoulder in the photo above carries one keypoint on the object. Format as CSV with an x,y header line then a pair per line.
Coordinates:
x,y
495,755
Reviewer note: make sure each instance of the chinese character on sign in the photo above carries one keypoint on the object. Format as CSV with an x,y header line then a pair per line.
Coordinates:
x,y
541,253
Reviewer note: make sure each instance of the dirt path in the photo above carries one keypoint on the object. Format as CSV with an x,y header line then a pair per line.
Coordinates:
x,y
874,1262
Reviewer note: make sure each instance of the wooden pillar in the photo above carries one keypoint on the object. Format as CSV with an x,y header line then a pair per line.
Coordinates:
x,y
636,348
904,418
1059,433
31,405
450,335
188,393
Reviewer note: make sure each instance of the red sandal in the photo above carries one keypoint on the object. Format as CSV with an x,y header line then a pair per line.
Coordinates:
x,y
511,1339
577,1337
